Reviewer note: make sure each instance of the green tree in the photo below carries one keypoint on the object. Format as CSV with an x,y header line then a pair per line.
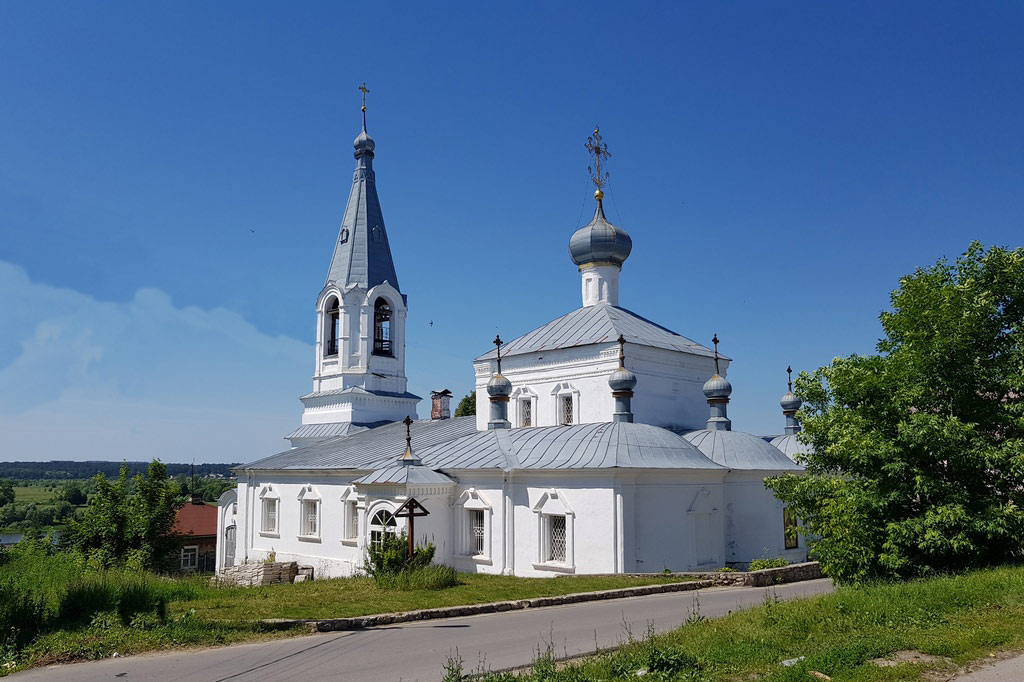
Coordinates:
x,y
918,462
129,521
71,493
467,406
6,491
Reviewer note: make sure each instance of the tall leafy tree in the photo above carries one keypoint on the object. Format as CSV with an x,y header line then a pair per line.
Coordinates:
x,y
129,521
466,406
6,491
918,461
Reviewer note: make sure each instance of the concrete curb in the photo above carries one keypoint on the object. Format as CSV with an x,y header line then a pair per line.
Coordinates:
x,y
360,622
770,576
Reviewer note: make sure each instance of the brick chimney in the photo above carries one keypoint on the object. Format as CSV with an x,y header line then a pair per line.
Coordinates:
x,y
439,404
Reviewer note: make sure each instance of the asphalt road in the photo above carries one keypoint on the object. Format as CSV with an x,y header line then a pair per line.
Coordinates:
x,y
418,651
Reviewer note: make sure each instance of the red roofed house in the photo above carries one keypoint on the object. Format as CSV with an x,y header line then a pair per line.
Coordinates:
x,y
196,524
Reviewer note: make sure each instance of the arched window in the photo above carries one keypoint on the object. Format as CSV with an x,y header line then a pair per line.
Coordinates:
x,y
382,328
381,523
331,327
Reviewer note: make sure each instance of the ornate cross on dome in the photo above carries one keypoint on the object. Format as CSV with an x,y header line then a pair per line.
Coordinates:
x,y
622,351
714,340
789,373
497,342
408,432
598,150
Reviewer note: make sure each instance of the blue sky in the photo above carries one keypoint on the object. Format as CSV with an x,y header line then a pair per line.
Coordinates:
x,y
172,176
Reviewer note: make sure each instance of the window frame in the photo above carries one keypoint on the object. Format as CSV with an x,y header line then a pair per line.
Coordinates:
x,y
349,517
553,504
269,496
332,327
309,496
562,392
469,503
186,551
389,526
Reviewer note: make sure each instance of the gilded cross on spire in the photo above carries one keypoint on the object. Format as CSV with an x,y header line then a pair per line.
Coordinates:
x,y
598,150
497,342
622,351
789,372
363,89
714,340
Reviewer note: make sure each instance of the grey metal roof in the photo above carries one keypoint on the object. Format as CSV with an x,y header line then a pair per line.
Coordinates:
x,y
579,446
330,430
359,390
362,254
738,450
601,323
790,446
405,474
456,444
367,450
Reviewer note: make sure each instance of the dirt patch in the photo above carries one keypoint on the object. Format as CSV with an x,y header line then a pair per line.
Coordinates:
x,y
909,656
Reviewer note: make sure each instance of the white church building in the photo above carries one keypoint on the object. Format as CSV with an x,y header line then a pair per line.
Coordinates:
x,y
601,442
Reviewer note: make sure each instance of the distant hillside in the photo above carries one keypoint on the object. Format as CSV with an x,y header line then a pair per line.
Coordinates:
x,y
60,470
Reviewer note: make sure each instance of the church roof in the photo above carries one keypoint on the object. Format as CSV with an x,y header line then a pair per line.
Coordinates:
x,y
361,391
331,429
367,450
456,444
362,255
405,474
789,445
738,450
601,323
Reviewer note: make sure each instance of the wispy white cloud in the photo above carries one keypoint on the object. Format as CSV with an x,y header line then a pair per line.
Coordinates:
x,y
87,379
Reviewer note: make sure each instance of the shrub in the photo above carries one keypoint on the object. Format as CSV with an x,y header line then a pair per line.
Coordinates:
x,y
766,562
391,566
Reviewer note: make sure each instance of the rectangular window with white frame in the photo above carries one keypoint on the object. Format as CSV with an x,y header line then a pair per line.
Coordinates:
x,y
310,518
269,523
190,557
351,521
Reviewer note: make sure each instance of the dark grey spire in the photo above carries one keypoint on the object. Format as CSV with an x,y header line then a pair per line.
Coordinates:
x,y
717,389
362,255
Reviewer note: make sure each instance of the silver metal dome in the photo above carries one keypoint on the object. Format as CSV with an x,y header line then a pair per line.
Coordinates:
x,y
600,242
363,143
622,380
499,386
717,387
790,403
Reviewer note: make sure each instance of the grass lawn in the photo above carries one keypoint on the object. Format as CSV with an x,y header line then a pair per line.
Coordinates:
x,y
33,493
345,597
963,618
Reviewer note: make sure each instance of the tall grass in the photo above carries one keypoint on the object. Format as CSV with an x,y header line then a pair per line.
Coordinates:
x,y
41,590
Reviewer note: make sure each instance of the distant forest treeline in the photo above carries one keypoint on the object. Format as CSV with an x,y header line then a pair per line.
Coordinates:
x,y
65,470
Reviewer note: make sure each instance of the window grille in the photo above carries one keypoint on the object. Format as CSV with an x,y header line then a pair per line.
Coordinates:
x,y
310,514
525,413
476,531
556,538
567,409
789,527
269,516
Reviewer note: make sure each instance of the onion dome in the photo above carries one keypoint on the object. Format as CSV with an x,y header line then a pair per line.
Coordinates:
x,y
717,387
499,386
363,143
600,242
622,380
790,403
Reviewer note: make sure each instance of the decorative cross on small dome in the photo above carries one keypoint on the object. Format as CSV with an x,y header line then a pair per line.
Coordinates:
x,y
789,373
497,342
408,431
714,340
622,351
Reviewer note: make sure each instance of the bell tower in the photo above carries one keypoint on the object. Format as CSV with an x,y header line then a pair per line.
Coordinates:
x,y
359,379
